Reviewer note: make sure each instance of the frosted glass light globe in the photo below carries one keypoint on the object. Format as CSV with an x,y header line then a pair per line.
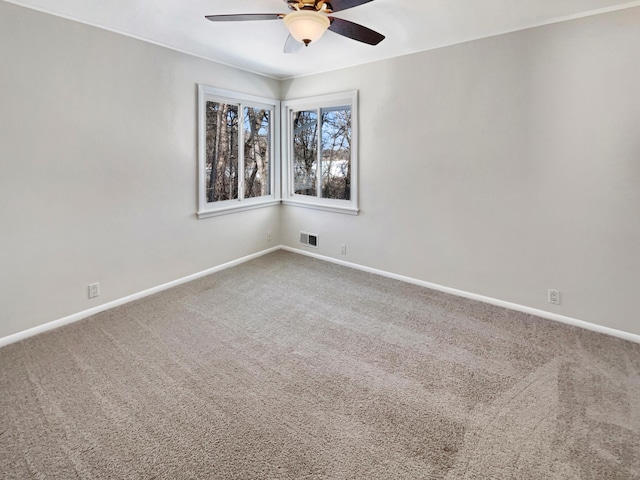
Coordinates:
x,y
306,26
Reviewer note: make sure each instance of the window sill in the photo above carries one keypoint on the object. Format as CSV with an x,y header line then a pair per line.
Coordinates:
x,y
326,208
235,208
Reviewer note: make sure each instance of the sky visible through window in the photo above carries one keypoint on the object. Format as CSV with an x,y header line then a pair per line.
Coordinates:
x,y
334,133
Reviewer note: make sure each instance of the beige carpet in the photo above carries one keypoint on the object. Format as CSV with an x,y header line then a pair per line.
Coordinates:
x,y
291,368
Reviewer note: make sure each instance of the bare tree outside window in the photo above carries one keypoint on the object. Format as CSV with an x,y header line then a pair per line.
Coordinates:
x,y
237,139
221,151
334,133
305,152
256,152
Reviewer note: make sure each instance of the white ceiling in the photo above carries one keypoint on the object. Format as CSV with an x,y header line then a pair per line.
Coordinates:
x,y
409,25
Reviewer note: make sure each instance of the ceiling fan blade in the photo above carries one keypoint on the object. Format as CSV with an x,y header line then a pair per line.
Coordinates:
x,y
292,45
245,16
337,5
356,32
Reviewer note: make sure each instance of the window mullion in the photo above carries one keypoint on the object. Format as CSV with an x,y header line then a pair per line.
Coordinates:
x,y
222,131
319,155
241,152
340,178
291,151
290,160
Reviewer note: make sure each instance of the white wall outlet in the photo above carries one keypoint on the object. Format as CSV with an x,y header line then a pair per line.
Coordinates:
x,y
343,249
94,290
554,296
269,236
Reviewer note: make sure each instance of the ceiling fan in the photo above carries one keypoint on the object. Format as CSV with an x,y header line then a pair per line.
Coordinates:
x,y
309,20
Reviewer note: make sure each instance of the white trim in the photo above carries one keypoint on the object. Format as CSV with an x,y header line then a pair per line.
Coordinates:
x,y
565,18
339,99
241,100
319,206
632,337
281,77
289,197
16,337
240,207
72,18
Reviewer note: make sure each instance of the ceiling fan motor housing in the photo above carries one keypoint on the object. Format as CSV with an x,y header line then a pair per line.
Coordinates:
x,y
315,5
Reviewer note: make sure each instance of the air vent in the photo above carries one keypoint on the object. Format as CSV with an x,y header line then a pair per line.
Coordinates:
x,y
309,239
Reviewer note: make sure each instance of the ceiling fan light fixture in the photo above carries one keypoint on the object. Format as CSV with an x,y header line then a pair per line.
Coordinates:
x,y
306,26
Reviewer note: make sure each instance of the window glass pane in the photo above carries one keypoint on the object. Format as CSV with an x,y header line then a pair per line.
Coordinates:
x,y
336,153
221,165
305,152
256,152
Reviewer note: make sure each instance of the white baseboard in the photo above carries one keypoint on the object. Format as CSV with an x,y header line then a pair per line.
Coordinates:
x,y
16,337
481,298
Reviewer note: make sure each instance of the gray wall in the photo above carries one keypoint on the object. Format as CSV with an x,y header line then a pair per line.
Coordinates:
x,y
98,168
501,167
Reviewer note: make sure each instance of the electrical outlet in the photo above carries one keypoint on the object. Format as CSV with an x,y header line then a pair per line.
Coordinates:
x,y
269,236
94,290
554,297
343,249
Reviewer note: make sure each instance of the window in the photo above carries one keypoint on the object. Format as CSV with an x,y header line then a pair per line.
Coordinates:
x,y
237,151
321,152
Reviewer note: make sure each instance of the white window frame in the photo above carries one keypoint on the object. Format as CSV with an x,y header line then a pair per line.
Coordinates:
x,y
289,196
210,209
